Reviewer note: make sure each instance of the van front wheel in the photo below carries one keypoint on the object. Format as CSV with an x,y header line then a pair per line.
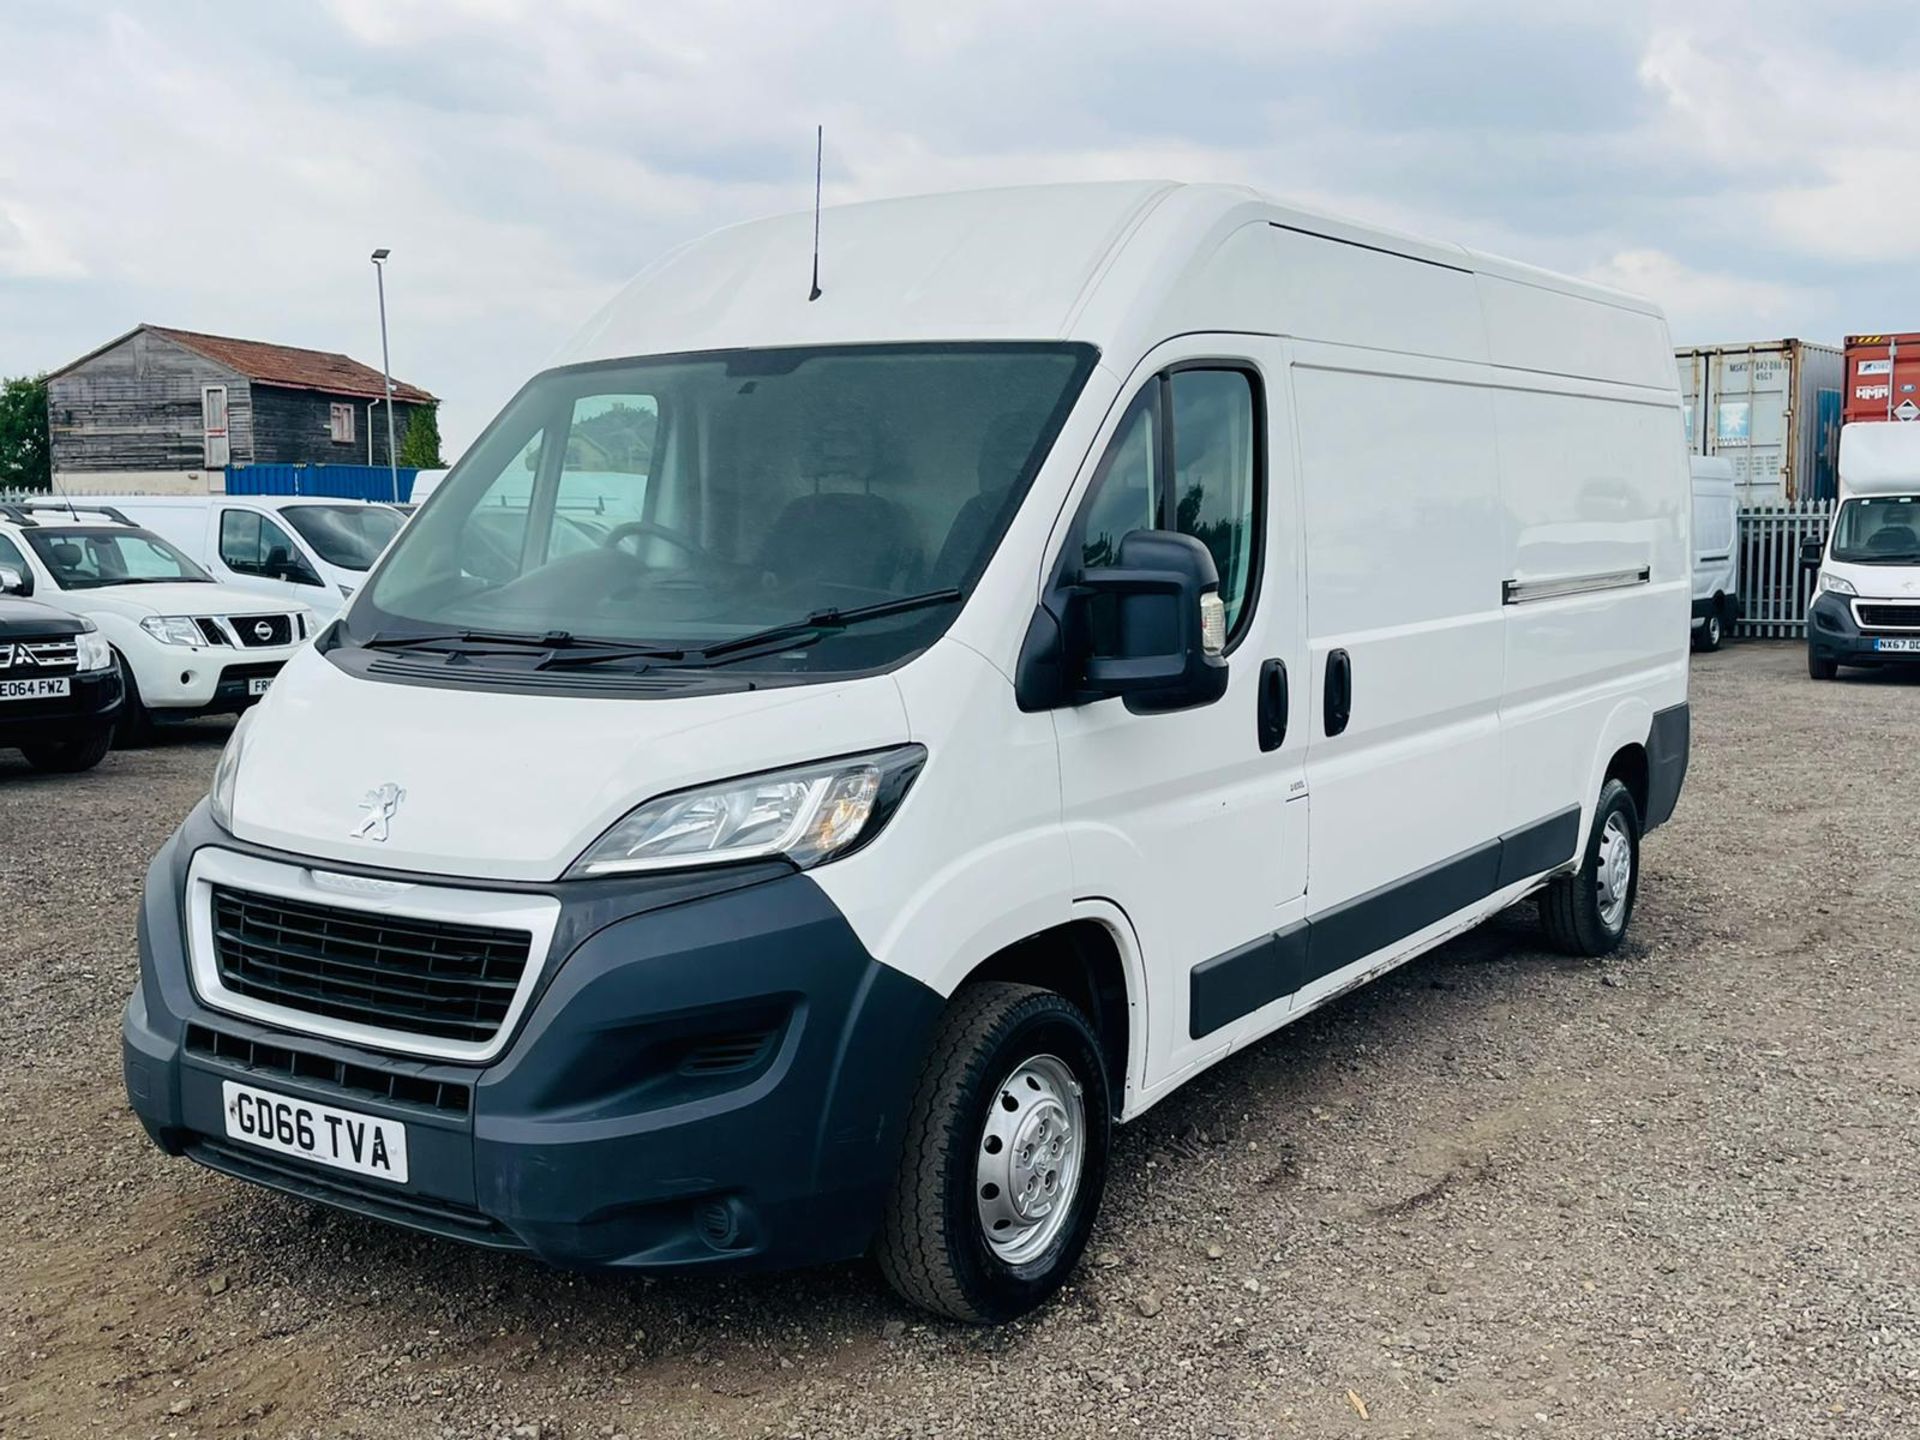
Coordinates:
x,y
1587,912
1006,1156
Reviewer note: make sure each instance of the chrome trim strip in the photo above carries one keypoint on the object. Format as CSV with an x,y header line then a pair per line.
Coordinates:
x,y
1910,605
538,915
1522,592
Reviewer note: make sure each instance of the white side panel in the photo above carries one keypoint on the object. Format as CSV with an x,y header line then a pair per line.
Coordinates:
x,y
1533,328
1591,486
1403,573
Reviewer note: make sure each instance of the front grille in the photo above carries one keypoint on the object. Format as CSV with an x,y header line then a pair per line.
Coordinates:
x,y
39,657
211,631
395,1087
262,630
1877,616
421,977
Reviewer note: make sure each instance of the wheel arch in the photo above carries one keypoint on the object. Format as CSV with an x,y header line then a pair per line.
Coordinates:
x,y
1092,959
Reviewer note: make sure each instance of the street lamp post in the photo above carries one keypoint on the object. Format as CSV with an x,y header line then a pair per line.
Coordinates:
x,y
386,369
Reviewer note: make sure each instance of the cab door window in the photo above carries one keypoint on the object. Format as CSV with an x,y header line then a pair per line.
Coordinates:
x,y
251,544
1186,458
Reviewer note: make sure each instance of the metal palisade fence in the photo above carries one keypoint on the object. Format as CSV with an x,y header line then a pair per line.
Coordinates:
x,y
1774,588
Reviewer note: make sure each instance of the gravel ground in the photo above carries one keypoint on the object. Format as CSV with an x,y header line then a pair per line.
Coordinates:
x,y
1498,1193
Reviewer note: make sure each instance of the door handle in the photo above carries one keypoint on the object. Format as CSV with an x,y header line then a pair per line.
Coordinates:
x,y
1273,705
1339,698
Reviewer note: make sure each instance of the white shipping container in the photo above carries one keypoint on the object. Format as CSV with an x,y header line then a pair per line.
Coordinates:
x,y
1772,408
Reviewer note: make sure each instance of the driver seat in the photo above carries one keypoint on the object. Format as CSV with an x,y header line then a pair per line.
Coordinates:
x,y
844,537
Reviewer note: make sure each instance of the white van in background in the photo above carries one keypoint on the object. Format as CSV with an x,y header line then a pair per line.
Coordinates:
x,y
308,550
821,761
1716,522
1866,604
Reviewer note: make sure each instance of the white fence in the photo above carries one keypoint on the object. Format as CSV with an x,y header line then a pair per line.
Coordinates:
x,y
1774,589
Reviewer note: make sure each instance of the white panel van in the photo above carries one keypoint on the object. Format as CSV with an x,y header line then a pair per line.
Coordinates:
x,y
1866,603
308,550
1716,521
1101,624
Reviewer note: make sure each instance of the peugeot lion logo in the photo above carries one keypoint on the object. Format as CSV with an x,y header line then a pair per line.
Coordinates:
x,y
380,804
264,631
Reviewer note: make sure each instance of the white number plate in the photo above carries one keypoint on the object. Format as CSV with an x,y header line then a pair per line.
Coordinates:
x,y
45,688
1902,645
340,1138
258,686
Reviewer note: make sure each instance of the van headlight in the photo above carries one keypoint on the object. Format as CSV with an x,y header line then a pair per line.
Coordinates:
x,y
92,649
808,814
226,775
1836,585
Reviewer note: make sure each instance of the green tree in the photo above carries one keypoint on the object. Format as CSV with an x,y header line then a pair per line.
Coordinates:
x,y
25,462
420,444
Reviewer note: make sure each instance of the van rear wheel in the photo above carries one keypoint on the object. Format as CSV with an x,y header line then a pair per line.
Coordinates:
x,y
1712,631
1587,912
1006,1157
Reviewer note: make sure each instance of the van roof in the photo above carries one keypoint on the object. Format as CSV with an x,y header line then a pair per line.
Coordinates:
x,y
1109,263
1880,457
270,502
1712,467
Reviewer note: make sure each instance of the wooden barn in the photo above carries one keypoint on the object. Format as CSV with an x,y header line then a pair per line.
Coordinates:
x,y
159,403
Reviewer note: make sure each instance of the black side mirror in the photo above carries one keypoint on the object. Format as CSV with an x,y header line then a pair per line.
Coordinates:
x,y
1148,629
13,582
1810,554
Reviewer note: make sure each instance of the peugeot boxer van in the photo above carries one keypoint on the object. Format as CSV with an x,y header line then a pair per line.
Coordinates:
x,y
1100,625
1866,602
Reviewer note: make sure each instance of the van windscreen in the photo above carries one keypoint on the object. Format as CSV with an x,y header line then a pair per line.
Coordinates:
x,y
350,536
1878,530
685,502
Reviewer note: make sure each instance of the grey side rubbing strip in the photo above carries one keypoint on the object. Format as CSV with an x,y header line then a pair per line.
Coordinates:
x,y
1520,592
1249,976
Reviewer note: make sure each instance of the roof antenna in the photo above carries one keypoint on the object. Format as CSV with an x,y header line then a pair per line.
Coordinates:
x,y
819,145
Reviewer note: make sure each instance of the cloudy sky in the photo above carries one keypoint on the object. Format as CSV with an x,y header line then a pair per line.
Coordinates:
x,y
227,167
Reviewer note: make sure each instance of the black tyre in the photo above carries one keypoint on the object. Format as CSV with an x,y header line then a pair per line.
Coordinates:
x,y
68,757
1006,1156
135,725
1587,912
1819,667
1712,632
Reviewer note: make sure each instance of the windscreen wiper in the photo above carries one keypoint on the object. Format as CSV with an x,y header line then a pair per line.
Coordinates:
x,y
559,645
817,623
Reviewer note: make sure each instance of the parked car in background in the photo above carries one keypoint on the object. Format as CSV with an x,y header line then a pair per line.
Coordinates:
x,y
1866,604
817,765
311,551
1716,527
187,645
60,688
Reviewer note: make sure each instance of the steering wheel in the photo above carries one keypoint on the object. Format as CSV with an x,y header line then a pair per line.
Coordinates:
x,y
661,532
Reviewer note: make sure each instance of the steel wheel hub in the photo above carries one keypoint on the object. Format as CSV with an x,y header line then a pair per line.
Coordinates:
x,y
1027,1167
1613,874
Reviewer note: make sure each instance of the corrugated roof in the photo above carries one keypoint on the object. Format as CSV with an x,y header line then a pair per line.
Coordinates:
x,y
291,367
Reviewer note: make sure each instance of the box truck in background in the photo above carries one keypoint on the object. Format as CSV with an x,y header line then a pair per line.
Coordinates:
x,y
1772,408
1883,377
1866,595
